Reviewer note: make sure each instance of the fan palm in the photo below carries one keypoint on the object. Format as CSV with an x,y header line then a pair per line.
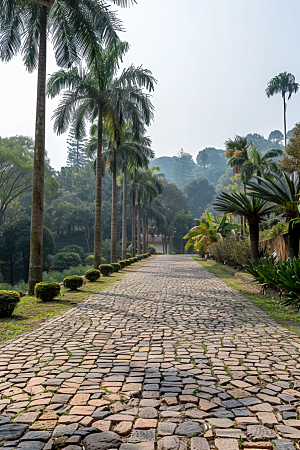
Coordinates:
x,y
283,191
285,84
98,94
253,208
76,27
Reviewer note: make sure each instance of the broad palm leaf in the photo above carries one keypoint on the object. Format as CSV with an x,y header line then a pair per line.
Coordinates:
x,y
253,208
76,28
98,94
283,190
285,84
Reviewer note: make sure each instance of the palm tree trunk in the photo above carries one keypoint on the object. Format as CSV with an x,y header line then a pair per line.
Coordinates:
x,y
98,224
254,238
113,254
139,226
124,217
147,233
133,225
284,119
144,234
37,210
293,240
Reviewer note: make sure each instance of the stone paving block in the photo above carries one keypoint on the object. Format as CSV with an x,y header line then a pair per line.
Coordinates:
x,y
199,443
226,444
172,443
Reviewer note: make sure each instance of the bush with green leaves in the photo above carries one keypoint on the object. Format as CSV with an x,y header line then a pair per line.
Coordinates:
x,y
60,276
73,248
89,260
232,251
73,282
106,269
123,264
128,262
46,290
151,249
284,275
65,260
8,302
92,274
139,257
116,266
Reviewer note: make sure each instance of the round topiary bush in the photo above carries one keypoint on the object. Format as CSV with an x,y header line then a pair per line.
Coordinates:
x,y
135,259
92,274
122,264
89,260
116,267
128,262
65,260
73,282
139,257
106,269
8,302
46,290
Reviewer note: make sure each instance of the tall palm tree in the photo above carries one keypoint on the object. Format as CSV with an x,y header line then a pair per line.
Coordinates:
x,y
253,208
282,190
76,27
124,154
98,94
285,84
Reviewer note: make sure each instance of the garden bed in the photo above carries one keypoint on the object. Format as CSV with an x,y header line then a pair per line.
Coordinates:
x,y
242,282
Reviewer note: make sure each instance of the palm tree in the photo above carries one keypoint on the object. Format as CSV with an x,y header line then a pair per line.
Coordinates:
x,y
98,94
253,208
282,190
76,27
124,153
285,84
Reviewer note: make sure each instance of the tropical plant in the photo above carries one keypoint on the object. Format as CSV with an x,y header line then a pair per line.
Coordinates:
x,y
233,251
291,160
283,191
253,208
285,84
98,94
76,29
208,231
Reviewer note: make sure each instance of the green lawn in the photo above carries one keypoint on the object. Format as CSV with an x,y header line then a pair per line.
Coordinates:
x,y
287,317
31,312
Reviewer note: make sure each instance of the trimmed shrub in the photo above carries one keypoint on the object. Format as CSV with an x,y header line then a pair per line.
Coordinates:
x,y
92,274
232,251
106,269
65,260
72,248
46,290
89,260
116,266
151,249
8,302
123,264
128,262
135,259
139,257
73,282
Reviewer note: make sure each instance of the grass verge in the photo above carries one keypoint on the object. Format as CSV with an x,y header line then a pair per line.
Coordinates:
x,y
286,317
31,312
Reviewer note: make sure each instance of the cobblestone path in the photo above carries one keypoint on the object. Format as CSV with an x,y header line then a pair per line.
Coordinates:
x,y
168,358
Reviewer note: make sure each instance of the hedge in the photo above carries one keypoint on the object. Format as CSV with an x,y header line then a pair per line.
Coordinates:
x,y
73,282
8,302
46,290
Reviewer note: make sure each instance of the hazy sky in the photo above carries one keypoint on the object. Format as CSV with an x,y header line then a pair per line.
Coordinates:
x,y
213,60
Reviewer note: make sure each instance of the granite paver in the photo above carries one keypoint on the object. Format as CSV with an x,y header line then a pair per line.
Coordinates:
x,y
165,354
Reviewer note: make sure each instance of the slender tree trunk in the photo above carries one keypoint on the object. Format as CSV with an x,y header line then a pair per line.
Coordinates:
x,y
124,217
147,233
133,225
284,119
139,226
293,240
98,224
37,209
144,234
113,253
254,239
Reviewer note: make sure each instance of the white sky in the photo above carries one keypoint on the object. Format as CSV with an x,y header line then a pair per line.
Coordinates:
x,y
213,60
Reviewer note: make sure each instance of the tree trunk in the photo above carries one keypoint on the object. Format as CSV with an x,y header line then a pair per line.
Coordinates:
x,y
147,233
139,226
98,224
133,225
113,247
144,234
37,209
293,240
284,119
124,217
254,239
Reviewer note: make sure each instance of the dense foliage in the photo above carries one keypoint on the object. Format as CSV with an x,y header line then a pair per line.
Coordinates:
x,y
46,290
8,302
